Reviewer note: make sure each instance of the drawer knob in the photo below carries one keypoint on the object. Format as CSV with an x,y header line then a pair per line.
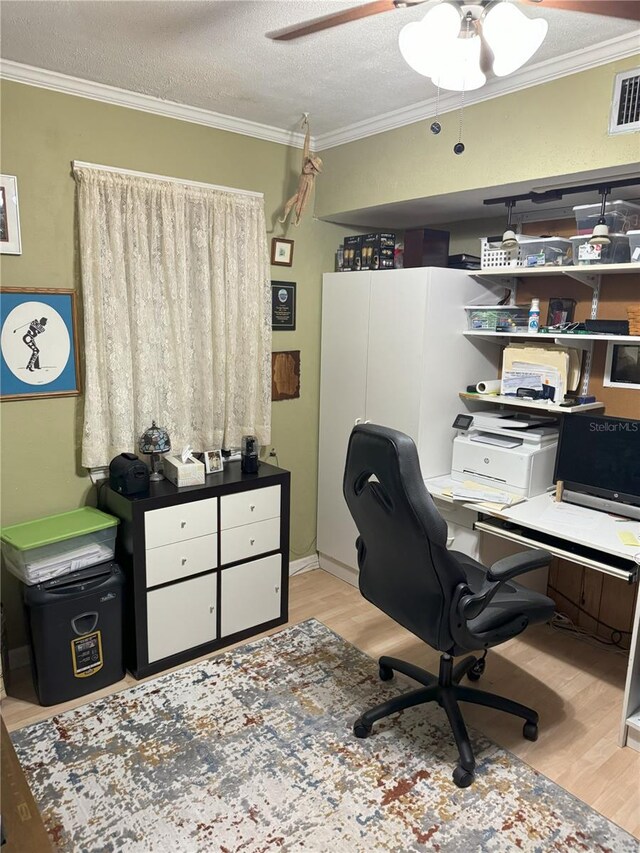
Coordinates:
x,y
184,560
211,608
183,524
252,541
252,507
277,589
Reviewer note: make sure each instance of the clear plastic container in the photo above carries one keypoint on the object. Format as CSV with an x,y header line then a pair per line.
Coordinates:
x,y
634,246
621,216
39,550
498,318
616,252
548,251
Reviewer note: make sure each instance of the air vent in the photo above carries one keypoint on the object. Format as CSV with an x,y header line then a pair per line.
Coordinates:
x,y
625,109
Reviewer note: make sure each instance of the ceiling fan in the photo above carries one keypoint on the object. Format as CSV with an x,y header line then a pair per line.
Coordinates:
x,y
609,8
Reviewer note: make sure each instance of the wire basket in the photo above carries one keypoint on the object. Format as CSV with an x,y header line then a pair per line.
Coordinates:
x,y
633,313
493,256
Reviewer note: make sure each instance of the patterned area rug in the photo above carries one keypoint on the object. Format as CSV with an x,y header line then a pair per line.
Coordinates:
x,y
252,751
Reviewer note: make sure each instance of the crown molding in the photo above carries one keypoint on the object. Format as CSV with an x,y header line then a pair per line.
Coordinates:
x,y
621,47
44,79
532,75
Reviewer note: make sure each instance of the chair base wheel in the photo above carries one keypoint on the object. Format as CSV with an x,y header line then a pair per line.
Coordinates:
x,y
361,729
385,672
463,778
530,731
476,670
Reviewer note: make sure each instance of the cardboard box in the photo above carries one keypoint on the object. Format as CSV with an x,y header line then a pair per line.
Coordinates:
x,y
378,251
189,473
352,257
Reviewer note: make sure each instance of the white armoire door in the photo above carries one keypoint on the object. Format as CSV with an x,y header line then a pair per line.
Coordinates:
x,y
345,325
395,353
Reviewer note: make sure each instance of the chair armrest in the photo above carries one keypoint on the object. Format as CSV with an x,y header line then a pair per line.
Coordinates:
x,y
518,564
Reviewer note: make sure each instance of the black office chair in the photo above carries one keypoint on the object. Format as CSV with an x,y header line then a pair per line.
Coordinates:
x,y
449,600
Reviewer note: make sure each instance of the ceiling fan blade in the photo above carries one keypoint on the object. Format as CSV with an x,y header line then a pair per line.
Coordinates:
x,y
343,17
610,8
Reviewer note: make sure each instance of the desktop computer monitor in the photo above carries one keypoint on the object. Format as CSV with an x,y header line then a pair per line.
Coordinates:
x,y
598,460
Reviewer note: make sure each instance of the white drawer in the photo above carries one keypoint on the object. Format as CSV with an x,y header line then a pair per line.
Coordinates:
x,y
249,540
246,507
251,594
177,523
181,559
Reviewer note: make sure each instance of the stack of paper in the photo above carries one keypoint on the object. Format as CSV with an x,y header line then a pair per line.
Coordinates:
x,y
42,570
472,492
536,376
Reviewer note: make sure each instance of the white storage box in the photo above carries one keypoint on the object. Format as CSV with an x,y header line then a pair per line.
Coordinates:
x,y
548,251
634,246
493,256
36,551
189,473
621,216
585,254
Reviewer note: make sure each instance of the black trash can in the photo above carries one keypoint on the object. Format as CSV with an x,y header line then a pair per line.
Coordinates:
x,y
75,626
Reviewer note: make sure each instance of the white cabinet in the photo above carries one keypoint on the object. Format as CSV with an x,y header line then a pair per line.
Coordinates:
x,y
181,616
392,354
251,594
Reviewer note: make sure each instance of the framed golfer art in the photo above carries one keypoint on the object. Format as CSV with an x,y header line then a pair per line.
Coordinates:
x,y
38,342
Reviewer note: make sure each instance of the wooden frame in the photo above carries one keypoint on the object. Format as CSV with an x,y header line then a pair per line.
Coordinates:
x,y
281,252
10,241
38,323
617,374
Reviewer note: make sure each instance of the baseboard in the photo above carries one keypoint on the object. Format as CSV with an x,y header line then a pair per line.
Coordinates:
x,y
340,570
306,564
19,657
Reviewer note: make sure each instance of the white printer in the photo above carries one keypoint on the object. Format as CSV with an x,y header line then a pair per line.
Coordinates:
x,y
514,452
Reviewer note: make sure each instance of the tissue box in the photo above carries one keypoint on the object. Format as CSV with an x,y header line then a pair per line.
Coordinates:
x,y
181,473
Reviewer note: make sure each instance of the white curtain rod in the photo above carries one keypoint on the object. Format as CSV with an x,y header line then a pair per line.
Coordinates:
x,y
79,164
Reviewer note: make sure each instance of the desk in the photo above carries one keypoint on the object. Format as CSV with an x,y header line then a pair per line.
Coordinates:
x,y
579,535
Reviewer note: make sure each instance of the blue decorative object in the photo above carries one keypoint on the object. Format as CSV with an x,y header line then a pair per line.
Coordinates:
x,y
153,442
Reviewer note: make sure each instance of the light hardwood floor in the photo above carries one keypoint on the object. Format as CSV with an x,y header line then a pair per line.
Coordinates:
x,y
576,688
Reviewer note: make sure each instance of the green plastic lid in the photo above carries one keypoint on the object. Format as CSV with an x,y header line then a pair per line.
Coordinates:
x,y
56,528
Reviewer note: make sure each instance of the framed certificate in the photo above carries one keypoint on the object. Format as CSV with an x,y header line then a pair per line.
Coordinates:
x,y
283,306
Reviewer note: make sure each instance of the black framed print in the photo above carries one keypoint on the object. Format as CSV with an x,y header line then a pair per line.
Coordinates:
x,y
283,306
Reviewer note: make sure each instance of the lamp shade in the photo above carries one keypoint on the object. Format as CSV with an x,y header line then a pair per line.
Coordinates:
x,y
155,440
433,48
512,37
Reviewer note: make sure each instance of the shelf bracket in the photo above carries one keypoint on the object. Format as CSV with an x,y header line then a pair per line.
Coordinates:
x,y
584,277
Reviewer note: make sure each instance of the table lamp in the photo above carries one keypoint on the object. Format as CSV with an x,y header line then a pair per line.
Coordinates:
x,y
155,441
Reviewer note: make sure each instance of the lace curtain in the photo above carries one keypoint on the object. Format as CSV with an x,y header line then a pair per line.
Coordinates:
x,y
176,297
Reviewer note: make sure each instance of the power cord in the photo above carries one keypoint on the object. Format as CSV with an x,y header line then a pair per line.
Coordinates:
x,y
561,622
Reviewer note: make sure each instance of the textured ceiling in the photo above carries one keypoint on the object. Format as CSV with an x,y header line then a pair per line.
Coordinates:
x,y
215,55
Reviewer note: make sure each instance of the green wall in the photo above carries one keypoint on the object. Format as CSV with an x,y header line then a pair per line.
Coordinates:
x,y
42,132
557,128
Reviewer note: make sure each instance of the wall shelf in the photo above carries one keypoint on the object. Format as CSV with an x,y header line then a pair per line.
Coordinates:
x,y
538,405
587,274
566,339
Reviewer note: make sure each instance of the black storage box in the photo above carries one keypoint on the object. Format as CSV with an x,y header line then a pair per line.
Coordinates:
x,y
75,626
426,247
352,253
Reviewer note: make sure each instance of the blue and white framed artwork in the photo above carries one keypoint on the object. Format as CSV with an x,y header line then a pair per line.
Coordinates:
x,y
38,342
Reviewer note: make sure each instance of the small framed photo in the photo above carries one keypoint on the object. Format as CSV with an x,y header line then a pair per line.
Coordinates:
x,y
281,252
213,461
622,366
10,243
39,344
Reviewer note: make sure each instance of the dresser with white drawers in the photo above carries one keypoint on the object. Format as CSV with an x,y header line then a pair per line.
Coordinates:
x,y
206,565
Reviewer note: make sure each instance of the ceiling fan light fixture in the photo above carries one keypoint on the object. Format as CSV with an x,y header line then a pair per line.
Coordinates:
x,y
432,47
512,36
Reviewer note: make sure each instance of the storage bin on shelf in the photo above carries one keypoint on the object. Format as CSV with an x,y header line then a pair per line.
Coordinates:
x,y
634,245
615,252
493,256
36,551
548,251
512,319
620,216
